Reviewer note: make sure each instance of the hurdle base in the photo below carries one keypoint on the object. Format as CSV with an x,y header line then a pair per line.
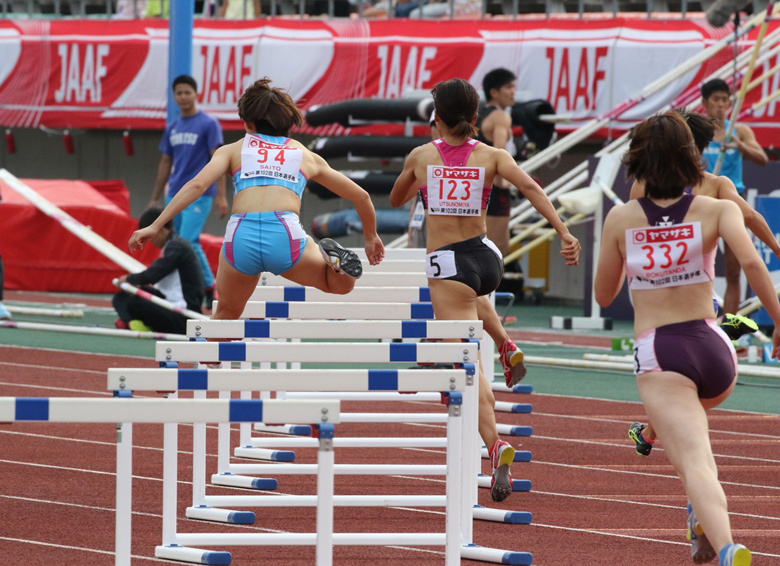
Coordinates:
x,y
481,513
580,323
511,430
206,513
295,430
520,455
264,454
194,555
248,482
505,407
483,481
519,388
484,554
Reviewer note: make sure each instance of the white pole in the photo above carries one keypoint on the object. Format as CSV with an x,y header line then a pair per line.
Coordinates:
x,y
133,290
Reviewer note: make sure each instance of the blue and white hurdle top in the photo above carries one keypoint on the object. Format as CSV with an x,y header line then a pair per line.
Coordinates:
x,y
358,294
129,410
346,329
338,311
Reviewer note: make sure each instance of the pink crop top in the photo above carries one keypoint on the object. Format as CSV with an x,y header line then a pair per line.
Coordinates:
x,y
455,156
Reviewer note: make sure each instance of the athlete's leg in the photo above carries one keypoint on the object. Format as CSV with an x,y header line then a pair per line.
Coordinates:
x,y
680,421
312,271
234,290
192,220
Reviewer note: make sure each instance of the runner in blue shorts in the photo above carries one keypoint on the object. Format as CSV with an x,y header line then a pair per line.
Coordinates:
x,y
264,233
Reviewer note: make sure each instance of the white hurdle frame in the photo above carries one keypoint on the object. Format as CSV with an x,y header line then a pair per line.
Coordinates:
x,y
457,502
390,329
125,411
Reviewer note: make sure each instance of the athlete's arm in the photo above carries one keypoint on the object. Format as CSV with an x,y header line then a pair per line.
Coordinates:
x,y
748,146
509,170
732,230
189,193
404,187
755,222
609,273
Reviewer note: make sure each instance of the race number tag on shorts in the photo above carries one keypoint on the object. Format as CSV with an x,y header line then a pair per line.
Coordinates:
x,y
455,191
263,159
418,216
665,256
440,264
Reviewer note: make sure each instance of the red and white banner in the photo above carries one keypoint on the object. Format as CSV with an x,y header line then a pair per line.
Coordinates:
x,y
113,74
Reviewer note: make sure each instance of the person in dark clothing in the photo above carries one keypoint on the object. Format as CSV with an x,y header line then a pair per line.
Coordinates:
x,y
175,276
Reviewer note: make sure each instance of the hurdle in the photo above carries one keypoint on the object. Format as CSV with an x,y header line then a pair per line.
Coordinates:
x,y
369,278
358,294
123,412
392,330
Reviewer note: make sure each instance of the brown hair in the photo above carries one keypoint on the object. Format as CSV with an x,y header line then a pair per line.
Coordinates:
x,y
270,109
456,103
663,156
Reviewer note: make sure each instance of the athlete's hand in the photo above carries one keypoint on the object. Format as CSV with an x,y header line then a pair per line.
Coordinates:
x,y
776,342
140,237
375,250
570,249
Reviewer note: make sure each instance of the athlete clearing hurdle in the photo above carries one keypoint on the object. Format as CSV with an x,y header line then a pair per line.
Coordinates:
x,y
264,233
454,175
684,363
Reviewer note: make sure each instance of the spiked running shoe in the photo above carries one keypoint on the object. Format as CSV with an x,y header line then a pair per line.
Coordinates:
x,y
734,555
501,457
643,446
511,358
736,325
701,549
340,259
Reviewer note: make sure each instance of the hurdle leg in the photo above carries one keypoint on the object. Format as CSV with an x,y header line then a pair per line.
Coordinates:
x,y
470,452
454,487
124,493
170,479
325,486
198,458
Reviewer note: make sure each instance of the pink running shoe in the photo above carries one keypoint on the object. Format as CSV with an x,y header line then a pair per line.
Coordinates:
x,y
511,358
501,457
701,549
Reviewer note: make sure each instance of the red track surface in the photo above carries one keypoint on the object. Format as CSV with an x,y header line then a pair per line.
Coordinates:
x,y
593,500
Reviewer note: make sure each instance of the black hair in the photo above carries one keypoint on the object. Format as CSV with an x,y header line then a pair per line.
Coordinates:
x,y
662,156
496,79
184,80
456,103
714,85
702,127
150,215
272,111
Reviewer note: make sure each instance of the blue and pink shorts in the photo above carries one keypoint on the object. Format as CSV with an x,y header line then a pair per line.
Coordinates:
x,y
264,241
697,349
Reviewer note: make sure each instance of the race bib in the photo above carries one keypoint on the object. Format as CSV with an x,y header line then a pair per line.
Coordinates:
x,y
440,264
665,256
263,159
455,191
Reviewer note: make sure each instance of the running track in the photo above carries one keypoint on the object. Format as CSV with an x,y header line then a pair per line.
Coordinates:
x,y
593,500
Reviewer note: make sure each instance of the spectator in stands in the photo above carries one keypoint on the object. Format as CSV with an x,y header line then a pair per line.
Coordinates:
x,y
175,276
187,146
715,97
239,9
158,8
130,9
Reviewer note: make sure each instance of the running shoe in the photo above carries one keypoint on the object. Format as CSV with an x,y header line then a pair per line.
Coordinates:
x,y
4,314
340,259
511,358
734,555
643,446
501,457
138,326
736,325
701,549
